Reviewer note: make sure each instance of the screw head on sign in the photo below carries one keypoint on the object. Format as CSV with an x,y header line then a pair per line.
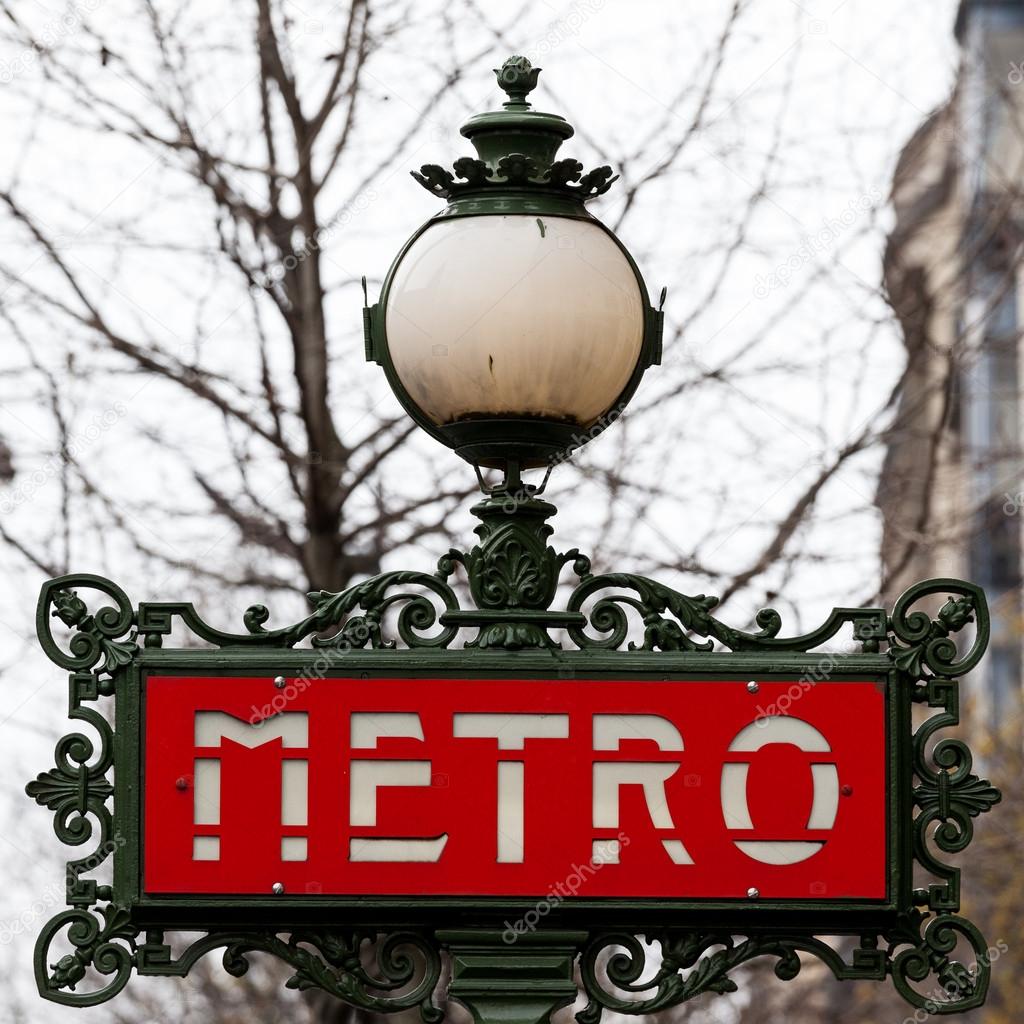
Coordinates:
x,y
277,888
847,791
752,687
181,783
279,682
753,893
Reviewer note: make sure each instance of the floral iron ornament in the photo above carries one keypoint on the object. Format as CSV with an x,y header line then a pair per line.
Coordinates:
x,y
407,623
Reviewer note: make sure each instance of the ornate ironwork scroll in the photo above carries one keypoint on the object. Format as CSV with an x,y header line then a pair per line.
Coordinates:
x,y
514,578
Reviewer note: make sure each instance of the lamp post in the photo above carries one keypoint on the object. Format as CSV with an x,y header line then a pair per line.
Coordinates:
x,y
514,327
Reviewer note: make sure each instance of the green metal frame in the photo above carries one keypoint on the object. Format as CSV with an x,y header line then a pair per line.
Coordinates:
x,y
406,623
515,174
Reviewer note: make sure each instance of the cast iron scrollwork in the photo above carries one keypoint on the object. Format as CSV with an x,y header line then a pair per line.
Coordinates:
x,y
96,636
332,622
107,946
696,963
407,964
691,966
691,616
417,613
919,950
513,577
948,796
653,601
921,645
77,788
917,644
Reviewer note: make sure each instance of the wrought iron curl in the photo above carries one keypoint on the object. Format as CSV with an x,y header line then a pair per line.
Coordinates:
x,y
921,643
707,971
76,789
96,636
653,601
948,796
417,613
961,988
690,615
108,948
332,622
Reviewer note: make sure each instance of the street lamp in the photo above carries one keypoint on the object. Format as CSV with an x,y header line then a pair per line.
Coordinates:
x,y
514,326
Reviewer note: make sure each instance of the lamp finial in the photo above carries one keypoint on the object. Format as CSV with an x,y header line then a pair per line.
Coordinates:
x,y
517,77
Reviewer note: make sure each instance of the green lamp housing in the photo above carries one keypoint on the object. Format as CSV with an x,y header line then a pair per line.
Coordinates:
x,y
514,326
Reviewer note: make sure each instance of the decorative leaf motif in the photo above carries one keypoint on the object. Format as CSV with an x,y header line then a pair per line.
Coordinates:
x,y
563,177
117,654
681,951
517,169
595,182
434,178
969,796
561,172
59,788
654,600
513,573
76,791
474,172
918,948
331,615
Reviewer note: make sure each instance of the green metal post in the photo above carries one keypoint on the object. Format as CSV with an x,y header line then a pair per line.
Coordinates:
x,y
512,571
522,981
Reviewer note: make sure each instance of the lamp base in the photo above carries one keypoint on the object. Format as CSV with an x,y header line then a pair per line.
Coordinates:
x,y
532,443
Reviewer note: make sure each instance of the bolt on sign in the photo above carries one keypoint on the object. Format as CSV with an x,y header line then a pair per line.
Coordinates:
x,y
533,798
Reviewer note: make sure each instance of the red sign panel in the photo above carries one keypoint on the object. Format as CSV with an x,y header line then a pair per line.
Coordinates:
x,y
519,788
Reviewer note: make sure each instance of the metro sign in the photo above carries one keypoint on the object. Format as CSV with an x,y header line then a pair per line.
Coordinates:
x,y
528,812
680,789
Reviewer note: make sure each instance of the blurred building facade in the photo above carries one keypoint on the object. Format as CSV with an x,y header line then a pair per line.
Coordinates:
x,y
952,489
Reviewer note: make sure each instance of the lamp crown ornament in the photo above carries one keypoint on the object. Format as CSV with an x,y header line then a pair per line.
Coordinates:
x,y
516,148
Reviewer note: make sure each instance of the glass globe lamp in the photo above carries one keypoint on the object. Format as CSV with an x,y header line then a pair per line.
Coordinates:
x,y
514,326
